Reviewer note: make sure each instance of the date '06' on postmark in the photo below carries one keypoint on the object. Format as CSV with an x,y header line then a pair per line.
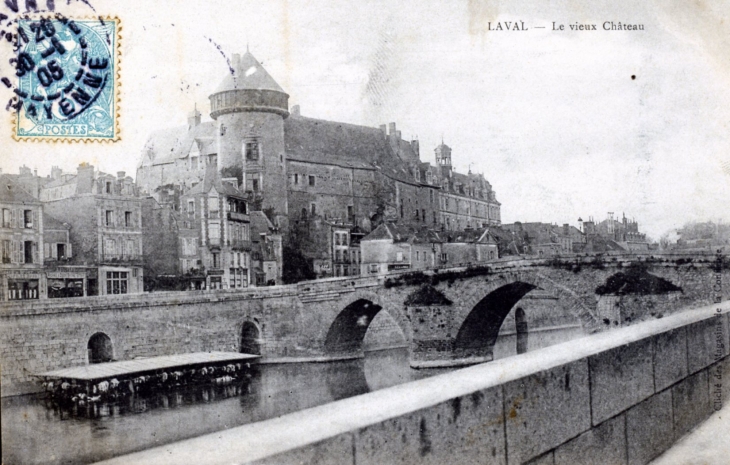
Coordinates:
x,y
67,71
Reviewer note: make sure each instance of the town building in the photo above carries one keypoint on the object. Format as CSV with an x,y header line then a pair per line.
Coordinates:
x,y
160,243
21,240
266,251
215,234
612,234
316,180
545,239
62,279
393,247
105,216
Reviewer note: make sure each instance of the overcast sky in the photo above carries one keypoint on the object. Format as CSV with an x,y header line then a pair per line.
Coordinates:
x,y
553,119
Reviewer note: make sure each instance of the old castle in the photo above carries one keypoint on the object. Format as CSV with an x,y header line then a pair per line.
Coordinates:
x,y
320,183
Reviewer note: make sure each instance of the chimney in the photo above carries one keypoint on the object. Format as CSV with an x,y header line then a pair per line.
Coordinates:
x,y
416,147
566,229
120,174
295,110
35,172
85,179
55,172
384,129
391,129
397,134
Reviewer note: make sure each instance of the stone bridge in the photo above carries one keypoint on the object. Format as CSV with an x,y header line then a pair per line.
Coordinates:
x,y
446,317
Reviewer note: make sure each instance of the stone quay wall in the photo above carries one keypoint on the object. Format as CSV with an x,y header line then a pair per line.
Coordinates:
x,y
618,397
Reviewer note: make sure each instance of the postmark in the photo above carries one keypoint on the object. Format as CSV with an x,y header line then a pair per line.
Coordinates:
x,y
67,79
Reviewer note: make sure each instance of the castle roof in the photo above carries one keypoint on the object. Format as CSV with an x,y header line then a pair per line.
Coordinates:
x,y
351,146
248,74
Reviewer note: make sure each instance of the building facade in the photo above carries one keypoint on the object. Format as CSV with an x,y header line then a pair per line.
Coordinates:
x,y
105,215
215,236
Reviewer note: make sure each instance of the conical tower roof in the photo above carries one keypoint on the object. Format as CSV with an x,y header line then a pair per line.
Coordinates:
x,y
248,74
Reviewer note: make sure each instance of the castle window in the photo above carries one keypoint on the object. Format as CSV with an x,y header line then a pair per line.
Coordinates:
x,y
109,218
127,219
252,150
311,180
296,178
314,209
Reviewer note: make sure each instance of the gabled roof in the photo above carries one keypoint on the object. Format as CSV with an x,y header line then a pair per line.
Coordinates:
x,y
260,224
12,192
212,180
248,74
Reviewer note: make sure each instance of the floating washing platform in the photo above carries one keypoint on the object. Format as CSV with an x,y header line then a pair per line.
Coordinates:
x,y
102,380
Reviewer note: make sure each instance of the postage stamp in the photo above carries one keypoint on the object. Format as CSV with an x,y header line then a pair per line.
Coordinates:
x,y
68,79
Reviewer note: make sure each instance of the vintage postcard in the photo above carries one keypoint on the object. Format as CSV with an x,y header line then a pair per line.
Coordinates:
x,y
322,232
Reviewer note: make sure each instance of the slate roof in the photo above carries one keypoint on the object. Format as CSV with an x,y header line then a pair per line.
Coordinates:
x,y
341,144
248,74
12,192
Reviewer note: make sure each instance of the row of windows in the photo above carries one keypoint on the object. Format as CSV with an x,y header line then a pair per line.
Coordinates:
x,y
19,252
12,218
311,180
121,248
348,256
238,259
126,219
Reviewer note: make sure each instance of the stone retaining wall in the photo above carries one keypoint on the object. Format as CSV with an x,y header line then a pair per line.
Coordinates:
x,y
619,397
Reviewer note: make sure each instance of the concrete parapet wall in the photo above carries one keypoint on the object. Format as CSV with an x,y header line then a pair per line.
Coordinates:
x,y
616,397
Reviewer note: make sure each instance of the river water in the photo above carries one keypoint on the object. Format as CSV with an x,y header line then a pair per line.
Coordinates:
x,y
37,431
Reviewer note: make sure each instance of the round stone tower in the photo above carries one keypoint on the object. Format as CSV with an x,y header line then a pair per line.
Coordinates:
x,y
249,108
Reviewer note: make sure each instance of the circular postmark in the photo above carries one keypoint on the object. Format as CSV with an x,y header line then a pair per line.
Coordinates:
x,y
66,75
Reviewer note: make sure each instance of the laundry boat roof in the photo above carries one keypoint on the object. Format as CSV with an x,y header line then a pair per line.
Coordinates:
x,y
130,367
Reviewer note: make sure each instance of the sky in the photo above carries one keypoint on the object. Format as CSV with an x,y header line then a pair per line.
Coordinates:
x,y
552,118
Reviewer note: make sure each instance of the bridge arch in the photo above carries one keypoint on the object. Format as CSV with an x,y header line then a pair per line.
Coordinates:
x,y
479,331
100,348
250,340
484,309
347,330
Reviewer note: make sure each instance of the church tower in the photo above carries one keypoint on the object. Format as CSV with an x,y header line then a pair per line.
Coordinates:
x,y
249,108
